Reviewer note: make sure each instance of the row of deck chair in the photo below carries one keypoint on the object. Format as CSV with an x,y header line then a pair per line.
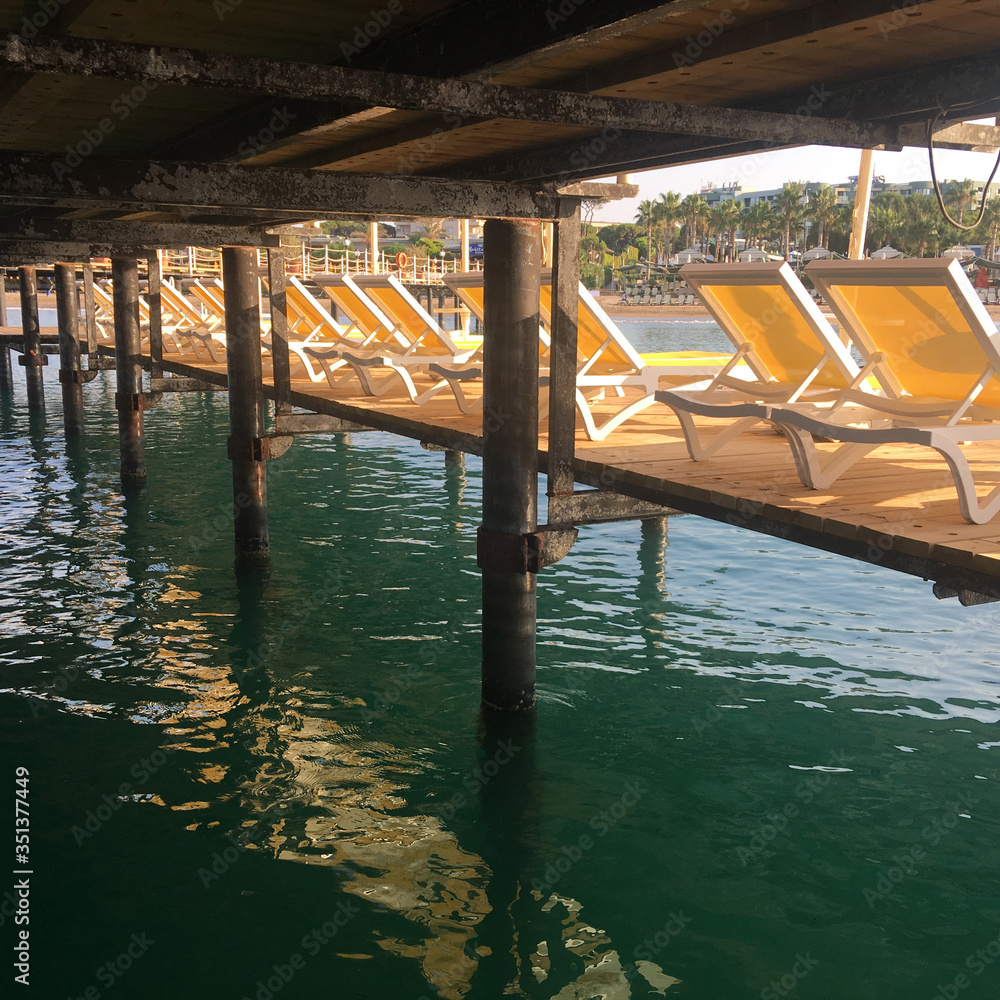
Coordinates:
x,y
929,372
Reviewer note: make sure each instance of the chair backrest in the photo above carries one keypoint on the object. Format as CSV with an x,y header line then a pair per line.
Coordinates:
x,y
408,315
373,324
305,314
765,311
602,348
923,315
104,302
468,286
210,294
178,310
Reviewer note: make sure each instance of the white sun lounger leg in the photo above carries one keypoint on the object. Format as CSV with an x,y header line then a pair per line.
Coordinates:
x,y
702,452
815,473
599,433
974,510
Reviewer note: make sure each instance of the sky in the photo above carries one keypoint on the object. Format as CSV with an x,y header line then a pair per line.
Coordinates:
x,y
826,164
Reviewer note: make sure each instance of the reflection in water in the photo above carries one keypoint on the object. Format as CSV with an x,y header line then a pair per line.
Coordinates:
x,y
323,720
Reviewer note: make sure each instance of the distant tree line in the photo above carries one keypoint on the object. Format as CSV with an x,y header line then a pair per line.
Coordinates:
x,y
913,225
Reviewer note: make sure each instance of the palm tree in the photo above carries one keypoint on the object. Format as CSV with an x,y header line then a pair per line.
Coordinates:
x,y
716,218
961,195
646,216
668,209
991,220
733,212
822,209
757,222
433,229
788,203
694,208
922,232
884,225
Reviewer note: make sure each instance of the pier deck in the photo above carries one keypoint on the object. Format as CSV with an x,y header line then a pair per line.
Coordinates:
x,y
897,508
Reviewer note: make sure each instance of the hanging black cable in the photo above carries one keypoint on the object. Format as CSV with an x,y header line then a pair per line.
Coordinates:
x,y
937,187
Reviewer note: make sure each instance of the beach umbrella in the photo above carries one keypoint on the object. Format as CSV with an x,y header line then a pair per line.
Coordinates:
x,y
958,251
887,253
686,256
752,257
817,253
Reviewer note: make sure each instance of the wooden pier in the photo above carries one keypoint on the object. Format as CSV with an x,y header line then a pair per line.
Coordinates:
x,y
536,101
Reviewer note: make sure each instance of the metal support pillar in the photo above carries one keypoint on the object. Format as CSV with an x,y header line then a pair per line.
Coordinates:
x,y
129,399
70,374
280,365
510,463
247,445
32,360
155,301
563,354
90,310
6,374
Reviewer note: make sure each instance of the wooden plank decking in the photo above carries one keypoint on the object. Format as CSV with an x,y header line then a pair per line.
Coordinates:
x,y
896,508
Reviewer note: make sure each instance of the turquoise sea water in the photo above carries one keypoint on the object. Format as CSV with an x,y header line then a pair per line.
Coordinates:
x,y
758,769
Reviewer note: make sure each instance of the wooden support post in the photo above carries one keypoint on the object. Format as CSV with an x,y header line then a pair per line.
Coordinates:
x,y
247,444
155,301
6,374
280,364
90,309
862,201
465,244
68,312
128,399
373,245
32,360
563,355
510,463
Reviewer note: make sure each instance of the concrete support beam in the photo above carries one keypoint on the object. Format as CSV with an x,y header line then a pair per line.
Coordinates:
x,y
129,400
246,405
32,360
142,185
154,300
510,463
70,374
6,373
280,363
563,354
457,96
90,308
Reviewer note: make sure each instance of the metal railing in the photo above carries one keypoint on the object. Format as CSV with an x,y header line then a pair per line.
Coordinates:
x,y
200,261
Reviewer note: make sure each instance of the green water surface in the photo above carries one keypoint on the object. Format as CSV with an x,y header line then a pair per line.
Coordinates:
x,y
756,770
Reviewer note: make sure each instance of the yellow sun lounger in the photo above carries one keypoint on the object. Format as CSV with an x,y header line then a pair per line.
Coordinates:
x,y
779,334
937,352
390,331
605,358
